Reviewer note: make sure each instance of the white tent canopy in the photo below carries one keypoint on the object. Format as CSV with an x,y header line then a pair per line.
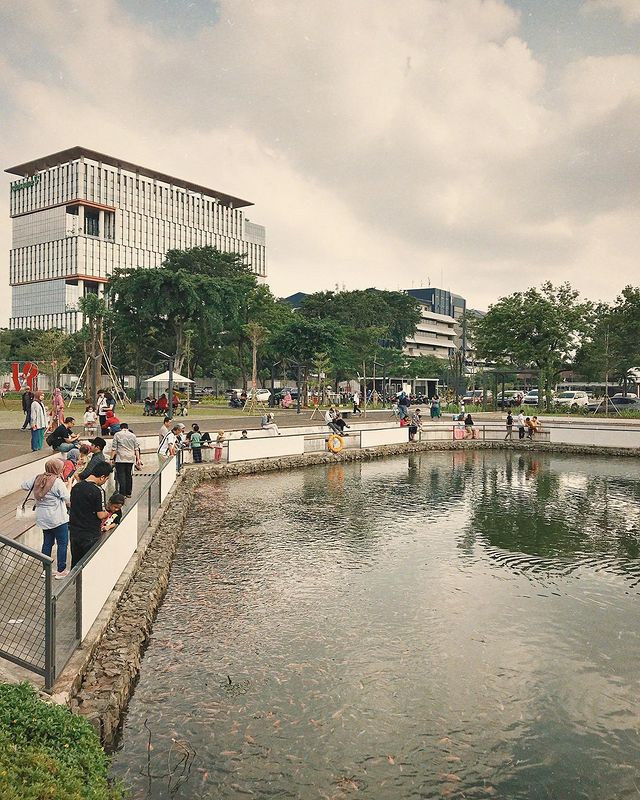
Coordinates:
x,y
163,377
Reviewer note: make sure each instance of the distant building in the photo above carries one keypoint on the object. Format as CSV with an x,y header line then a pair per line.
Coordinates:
x,y
78,215
440,331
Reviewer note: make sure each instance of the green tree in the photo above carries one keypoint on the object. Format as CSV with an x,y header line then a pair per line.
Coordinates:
x,y
52,349
538,327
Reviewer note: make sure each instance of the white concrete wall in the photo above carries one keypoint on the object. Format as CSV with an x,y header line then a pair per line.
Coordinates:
x,y
102,572
395,435
265,447
607,437
11,480
168,478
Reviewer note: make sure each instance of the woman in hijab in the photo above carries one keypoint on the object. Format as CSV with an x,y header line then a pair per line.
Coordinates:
x,y
52,498
57,408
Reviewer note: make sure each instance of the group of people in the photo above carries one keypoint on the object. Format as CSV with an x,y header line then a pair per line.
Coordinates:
x,y
527,426
174,436
70,503
41,419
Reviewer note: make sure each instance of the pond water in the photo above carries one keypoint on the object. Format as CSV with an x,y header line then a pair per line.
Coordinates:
x,y
436,625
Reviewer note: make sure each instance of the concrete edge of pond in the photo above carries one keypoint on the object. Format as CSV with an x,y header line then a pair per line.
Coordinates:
x,y
101,676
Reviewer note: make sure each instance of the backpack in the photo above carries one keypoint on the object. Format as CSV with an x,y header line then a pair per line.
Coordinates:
x,y
51,439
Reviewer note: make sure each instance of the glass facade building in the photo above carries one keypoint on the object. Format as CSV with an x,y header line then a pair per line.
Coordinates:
x,y
78,215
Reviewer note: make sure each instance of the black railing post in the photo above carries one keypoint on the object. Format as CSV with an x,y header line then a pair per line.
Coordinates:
x,y
49,629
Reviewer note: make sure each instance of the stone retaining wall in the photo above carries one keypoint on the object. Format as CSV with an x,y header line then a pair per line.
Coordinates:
x,y
111,674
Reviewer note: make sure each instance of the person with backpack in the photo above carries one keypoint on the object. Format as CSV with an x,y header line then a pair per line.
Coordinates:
x,y
63,439
38,419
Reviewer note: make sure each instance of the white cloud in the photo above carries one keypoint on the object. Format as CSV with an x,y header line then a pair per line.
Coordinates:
x,y
382,143
628,9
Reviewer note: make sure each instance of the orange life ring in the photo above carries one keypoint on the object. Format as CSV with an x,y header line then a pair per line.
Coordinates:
x,y
335,443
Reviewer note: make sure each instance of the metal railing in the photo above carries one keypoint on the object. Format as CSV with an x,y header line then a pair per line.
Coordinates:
x,y
27,609
41,620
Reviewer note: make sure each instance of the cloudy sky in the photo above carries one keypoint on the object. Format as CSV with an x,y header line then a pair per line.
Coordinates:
x,y
479,145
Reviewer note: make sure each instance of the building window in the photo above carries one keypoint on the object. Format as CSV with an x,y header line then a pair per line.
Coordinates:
x,y
91,222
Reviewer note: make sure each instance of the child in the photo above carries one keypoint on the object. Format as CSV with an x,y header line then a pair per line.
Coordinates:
x,y
244,435
70,465
217,453
195,437
90,422
114,507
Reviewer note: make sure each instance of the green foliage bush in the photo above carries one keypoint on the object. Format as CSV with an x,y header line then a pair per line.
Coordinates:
x,y
47,753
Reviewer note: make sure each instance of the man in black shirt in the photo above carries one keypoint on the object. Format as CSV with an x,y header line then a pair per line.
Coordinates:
x,y
87,511
96,446
63,438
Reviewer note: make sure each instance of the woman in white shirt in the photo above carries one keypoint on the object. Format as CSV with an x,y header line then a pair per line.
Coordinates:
x,y
51,499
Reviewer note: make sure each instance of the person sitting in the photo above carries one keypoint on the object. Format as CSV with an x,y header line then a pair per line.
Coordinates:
x,y
112,423
63,439
267,424
469,432
330,418
532,425
287,400
162,404
340,424
149,406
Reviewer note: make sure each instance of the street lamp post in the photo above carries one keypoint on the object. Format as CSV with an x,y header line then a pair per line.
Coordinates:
x,y
171,360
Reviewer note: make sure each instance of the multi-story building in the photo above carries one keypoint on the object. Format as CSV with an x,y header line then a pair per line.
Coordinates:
x,y
78,215
439,332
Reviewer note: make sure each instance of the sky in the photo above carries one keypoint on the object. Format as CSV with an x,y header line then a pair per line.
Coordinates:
x,y
483,146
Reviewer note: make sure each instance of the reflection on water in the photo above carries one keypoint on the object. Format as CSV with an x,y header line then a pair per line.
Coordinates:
x,y
438,625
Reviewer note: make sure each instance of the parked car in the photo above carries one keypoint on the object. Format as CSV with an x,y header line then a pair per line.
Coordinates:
x,y
280,393
474,397
530,398
262,395
572,399
619,402
511,399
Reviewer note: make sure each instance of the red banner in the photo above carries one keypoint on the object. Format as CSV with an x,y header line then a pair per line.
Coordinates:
x,y
26,377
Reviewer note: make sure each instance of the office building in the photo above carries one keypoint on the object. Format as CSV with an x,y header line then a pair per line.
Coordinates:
x,y
439,332
78,215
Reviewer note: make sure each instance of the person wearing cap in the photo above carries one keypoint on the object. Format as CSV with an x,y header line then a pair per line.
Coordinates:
x,y
96,446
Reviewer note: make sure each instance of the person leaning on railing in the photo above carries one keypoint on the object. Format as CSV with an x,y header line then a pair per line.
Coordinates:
x,y
88,509
51,496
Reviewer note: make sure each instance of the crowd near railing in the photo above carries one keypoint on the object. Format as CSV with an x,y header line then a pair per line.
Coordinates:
x,y
42,622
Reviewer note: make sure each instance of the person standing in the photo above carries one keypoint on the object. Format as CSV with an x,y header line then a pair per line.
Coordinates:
x,y
520,422
165,430
88,509
101,408
27,399
356,402
509,434
195,439
38,422
57,408
125,452
169,444
415,425
51,500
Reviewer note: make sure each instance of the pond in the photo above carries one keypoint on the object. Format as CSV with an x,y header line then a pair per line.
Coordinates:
x,y
459,624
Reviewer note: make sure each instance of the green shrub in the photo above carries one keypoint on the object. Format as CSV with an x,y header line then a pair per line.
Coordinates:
x,y
47,753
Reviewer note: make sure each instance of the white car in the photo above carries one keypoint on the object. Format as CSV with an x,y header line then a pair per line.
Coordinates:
x,y
262,395
572,399
530,398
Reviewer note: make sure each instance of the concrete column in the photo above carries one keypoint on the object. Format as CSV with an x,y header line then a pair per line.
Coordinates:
x,y
81,220
101,223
